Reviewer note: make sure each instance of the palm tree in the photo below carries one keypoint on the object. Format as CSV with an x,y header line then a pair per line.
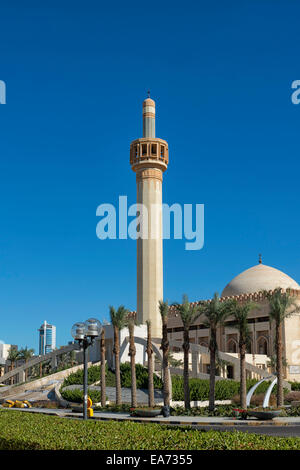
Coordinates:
x,y
215,313
131,322
72,358
165,347
118,320
282,305
189,314
26,354
151,402
13,356
103,378
240,313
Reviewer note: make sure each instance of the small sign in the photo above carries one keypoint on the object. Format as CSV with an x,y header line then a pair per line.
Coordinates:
x,y
294,369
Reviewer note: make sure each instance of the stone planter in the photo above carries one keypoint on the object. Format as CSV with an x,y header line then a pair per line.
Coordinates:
x,y
264,415
146,413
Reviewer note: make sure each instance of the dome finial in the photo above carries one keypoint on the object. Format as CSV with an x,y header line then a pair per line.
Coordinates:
x,y
259,258
148,93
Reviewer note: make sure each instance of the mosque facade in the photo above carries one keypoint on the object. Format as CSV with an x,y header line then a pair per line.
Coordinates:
x,y
149,158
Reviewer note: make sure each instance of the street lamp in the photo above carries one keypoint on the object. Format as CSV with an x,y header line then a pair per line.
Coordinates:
x,y
84,334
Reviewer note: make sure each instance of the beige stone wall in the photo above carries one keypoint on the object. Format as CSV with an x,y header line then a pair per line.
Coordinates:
x,y
291,334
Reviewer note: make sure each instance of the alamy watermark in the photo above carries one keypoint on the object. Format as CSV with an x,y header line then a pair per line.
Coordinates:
x,y
152,223
2,92
295,96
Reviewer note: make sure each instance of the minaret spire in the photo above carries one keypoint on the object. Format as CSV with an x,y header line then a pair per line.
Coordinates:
x,y
259,258
149,117
149,158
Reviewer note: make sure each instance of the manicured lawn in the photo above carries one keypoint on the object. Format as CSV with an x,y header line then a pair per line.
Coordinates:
x,y
23,430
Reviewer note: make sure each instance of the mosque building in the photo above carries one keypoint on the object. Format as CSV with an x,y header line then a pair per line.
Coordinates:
x,y
149,158
248,286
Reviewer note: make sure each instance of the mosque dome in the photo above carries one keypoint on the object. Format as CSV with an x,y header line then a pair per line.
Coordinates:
x,y
257,278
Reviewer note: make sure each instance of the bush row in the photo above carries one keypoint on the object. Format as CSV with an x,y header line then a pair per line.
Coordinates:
x,y
20,431
295,386
76,378
225,389
76,396
199,388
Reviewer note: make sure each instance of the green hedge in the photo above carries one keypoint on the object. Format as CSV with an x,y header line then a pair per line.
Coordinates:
x,y
76,396
199,388
29,431
76,378
225,389
141,376
295,386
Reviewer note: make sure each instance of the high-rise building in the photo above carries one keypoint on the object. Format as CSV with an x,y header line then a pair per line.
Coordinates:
x,y
149,158
47,338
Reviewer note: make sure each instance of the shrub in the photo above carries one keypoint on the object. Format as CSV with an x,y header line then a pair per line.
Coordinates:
x,y
76,396
295,386
225,389
141,376
76,378
199,389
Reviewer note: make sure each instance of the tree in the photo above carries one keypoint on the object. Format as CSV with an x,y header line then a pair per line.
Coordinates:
x,y
189,313
215,313
151,402
240,313
118,319
165,347
103,371
26,354
13,356
132,353
282,305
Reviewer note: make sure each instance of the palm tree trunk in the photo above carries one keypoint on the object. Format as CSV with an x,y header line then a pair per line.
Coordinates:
x,y
103,383
26,371
132,353
117,365
186,347
150,367
12,368
165,363
279,365
212,379
243,386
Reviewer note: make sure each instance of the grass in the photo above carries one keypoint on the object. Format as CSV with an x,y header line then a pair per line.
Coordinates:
x,y
28,431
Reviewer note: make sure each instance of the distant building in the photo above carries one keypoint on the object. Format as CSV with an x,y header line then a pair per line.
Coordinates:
x,y
4,350
47,338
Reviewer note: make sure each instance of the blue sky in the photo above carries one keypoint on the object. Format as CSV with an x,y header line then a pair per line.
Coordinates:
x,y
76,76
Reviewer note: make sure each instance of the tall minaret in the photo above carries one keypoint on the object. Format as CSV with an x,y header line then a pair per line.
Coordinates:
x,y
149,158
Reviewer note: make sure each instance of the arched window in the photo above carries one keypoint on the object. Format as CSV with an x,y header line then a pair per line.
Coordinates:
x,y
232,346
262,345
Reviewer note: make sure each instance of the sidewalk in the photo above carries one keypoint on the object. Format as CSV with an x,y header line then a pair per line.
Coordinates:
x,y
172,420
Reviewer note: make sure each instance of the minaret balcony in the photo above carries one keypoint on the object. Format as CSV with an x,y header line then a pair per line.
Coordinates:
x,y
149,151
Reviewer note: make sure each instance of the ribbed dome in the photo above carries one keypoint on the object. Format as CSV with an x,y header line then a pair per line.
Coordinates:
x,y
259,277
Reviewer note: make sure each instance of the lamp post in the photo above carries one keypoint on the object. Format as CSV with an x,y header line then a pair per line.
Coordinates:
x,y
84,334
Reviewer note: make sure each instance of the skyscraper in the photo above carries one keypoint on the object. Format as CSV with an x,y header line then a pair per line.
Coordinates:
x,y
47,338
149,158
